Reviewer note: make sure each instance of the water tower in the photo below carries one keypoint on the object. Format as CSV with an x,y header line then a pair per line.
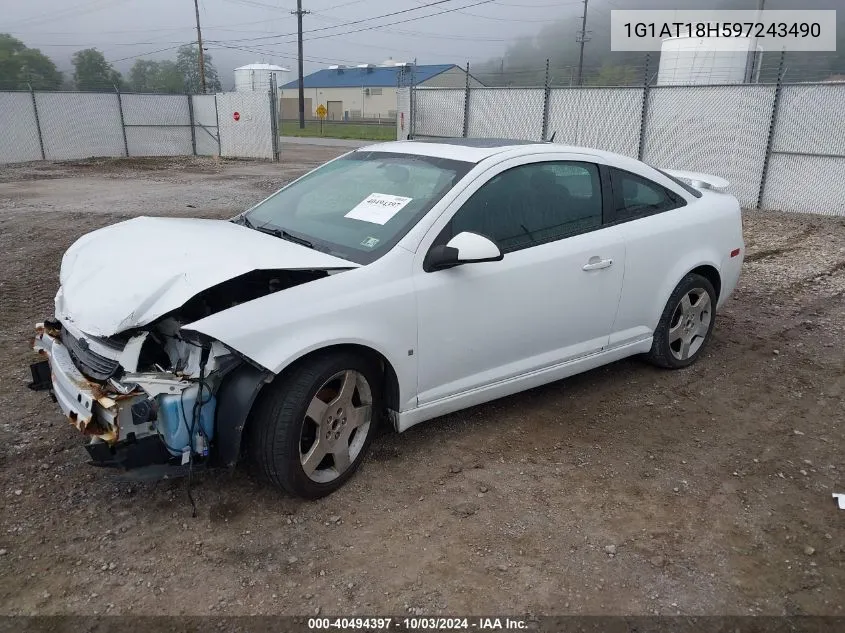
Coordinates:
x,y
256,77
706,60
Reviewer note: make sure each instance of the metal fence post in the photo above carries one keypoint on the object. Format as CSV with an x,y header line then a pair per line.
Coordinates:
x,y
217,124
466,104
644,109
412,124
772,125
544,135
37,122
193,123
274,115
122,120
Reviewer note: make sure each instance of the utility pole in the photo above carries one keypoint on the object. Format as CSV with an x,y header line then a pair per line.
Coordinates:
x,y
583,38
199,44
299,13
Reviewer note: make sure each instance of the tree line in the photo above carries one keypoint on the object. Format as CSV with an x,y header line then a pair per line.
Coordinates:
x,y
22,67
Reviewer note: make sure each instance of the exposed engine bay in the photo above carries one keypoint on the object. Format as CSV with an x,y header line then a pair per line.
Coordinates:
x,y
148,396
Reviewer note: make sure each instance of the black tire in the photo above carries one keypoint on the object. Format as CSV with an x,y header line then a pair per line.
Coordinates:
x,y
275,428
661,353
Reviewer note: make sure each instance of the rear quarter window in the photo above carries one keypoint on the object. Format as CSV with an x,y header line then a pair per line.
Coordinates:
x,y
635,196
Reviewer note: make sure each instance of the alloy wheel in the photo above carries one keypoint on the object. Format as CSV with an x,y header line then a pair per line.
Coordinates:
x,y
336,425
690,324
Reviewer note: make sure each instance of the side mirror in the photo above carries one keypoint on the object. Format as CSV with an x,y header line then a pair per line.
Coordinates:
x,y
464,248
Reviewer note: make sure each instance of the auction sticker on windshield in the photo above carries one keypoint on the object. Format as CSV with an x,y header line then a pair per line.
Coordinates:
x,y
378,208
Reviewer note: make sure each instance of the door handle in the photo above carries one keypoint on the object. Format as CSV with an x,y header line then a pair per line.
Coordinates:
x,y
596,263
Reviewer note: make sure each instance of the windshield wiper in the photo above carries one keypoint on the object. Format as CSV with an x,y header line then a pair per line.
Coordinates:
x,y
293,238
280,233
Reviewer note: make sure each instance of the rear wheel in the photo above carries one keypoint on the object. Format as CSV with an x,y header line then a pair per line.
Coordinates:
x,y
310,432
686,323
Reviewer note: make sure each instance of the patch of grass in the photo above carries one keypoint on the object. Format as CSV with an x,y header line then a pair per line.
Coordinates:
x,y
363,131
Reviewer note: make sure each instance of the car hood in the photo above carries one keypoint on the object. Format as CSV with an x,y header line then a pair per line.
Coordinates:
x,y
129,274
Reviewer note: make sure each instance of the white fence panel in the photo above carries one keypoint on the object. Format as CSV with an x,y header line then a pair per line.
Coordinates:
x,y
159,141
148,109
18,129
515,113
80,125
720,130
246,126
205,124
157,125
810,121
603,118
439,112
805,184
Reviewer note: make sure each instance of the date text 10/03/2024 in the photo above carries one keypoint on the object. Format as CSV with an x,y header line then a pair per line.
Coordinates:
x,y
417,624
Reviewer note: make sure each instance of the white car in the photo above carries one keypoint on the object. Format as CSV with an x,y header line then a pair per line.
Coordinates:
x,y
401,281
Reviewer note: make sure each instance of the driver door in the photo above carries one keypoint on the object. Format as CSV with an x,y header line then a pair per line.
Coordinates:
x,y
551,299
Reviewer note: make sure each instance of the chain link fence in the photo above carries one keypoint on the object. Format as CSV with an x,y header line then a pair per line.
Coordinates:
x,y
596,117
19,135
781,146
720,130
41,125
806,169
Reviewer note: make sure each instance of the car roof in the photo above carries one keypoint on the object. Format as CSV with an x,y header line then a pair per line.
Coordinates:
x,y
474,150
471,150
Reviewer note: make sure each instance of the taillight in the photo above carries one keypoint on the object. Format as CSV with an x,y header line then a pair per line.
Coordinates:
x,y
735,252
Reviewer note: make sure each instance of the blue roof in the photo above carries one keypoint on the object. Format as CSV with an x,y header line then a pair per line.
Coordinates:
x,y
372,77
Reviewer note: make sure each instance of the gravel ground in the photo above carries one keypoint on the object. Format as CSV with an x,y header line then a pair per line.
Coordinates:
x,y
626,490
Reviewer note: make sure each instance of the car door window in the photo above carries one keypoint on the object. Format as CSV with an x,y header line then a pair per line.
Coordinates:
x,y
532,204
635,196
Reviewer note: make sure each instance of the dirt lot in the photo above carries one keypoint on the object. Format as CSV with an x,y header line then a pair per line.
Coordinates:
x,y
627,490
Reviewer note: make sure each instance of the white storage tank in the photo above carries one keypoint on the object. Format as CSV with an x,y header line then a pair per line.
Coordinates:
x,y
706,60
256,77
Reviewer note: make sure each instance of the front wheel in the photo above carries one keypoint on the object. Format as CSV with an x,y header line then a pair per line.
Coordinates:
x,y
310,432
686,323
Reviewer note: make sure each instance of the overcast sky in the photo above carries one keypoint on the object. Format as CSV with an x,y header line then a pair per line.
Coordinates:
x,y
471,30
124,28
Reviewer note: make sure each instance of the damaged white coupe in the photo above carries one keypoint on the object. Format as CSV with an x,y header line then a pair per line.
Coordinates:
x,y
399,282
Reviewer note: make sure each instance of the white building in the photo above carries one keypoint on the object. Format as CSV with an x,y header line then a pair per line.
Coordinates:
x,y
365,91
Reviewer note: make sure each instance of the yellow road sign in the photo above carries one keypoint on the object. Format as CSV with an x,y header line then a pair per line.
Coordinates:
x,y
321,111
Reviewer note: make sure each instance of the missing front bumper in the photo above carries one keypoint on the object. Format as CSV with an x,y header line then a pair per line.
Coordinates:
x,y
120,418
91,410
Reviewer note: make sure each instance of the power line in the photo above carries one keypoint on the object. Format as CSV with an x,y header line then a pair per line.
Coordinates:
x,y
553,5
160,50
221,27
253,3
95,45
273,53
60,15
376,17
422,17
425,34
345,4
511,19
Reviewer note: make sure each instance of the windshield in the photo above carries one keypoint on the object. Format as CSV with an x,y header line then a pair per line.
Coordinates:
x,y
358,206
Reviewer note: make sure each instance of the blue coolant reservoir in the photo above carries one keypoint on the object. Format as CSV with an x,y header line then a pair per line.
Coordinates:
x,y
174,427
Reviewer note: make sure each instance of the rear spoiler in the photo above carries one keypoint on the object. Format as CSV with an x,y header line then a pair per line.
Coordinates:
x,y
699,181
